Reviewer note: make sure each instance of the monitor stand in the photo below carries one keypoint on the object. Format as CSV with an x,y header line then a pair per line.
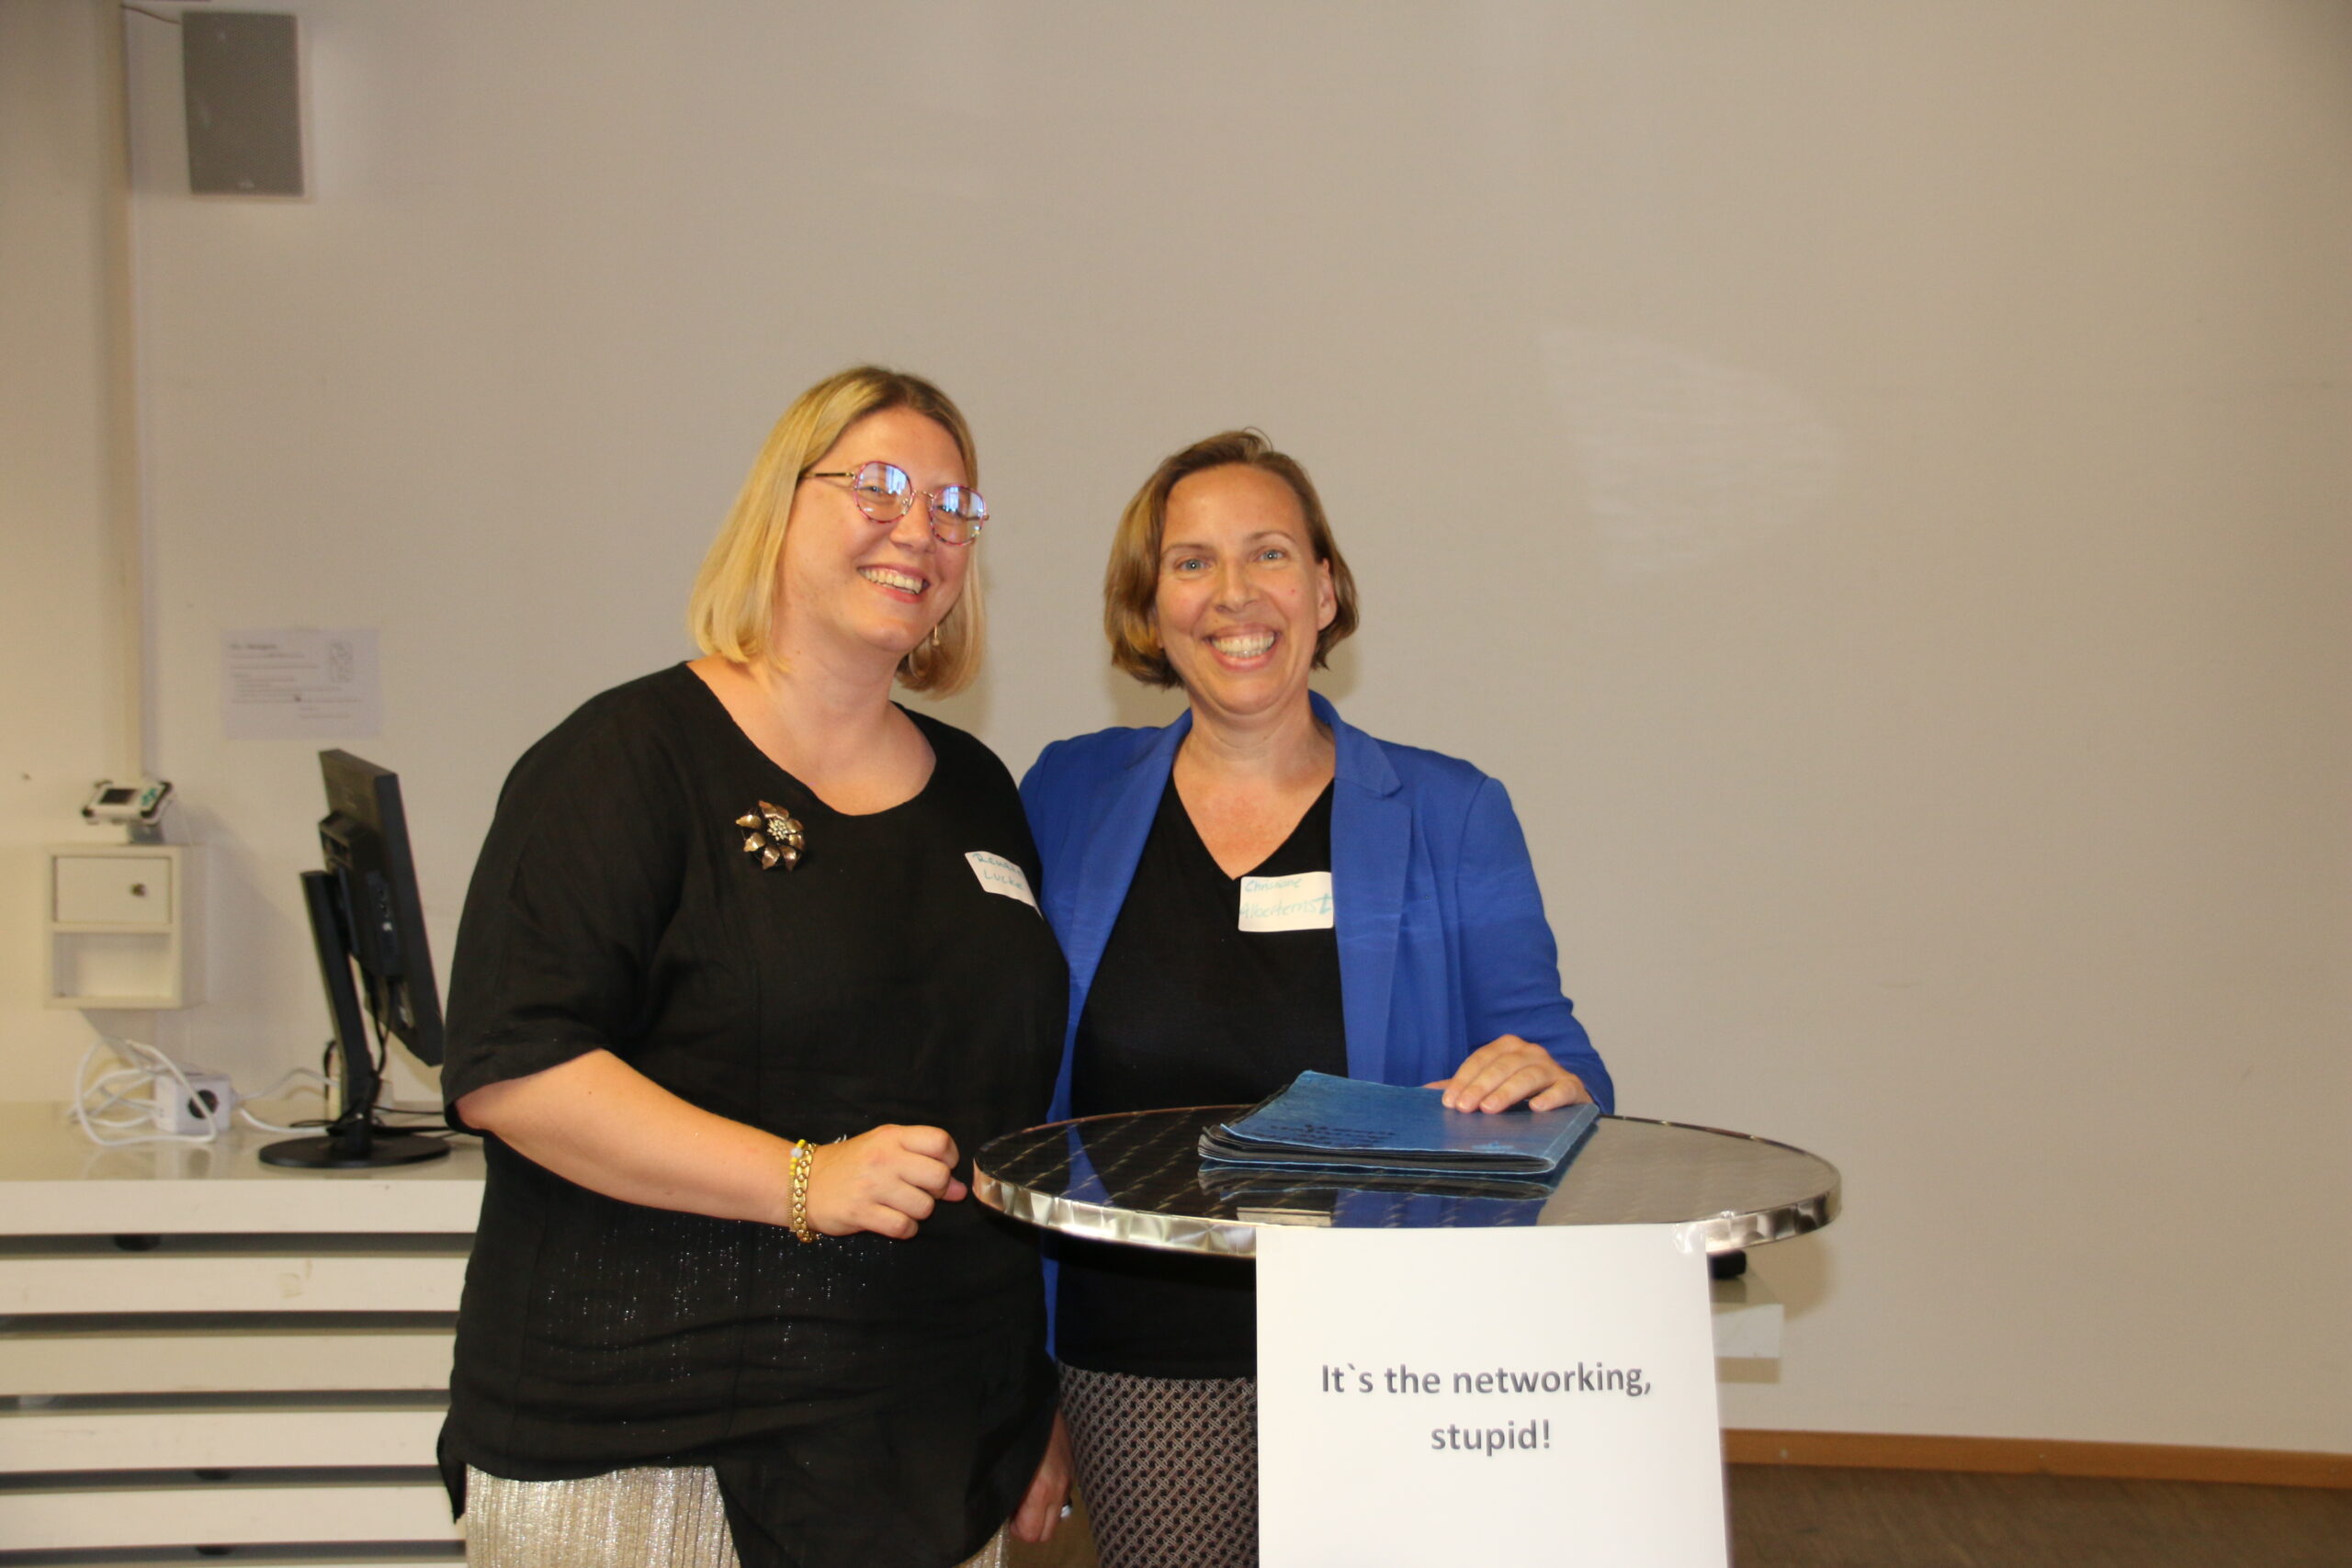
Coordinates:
x,y
364,1146
354,1140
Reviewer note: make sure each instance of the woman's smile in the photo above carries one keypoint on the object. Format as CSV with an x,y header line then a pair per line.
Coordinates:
x,y
1239,647
904,584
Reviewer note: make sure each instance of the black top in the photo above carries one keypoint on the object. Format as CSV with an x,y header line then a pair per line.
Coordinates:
x,y
1187,1009
863,1400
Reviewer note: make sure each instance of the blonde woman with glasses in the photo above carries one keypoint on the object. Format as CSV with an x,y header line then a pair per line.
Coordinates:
x,y
750,965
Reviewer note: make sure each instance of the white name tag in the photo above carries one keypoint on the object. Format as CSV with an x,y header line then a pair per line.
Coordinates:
x,y
999,874
1301,903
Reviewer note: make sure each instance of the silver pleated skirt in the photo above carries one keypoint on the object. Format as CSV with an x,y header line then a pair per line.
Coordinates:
x,y
629,1519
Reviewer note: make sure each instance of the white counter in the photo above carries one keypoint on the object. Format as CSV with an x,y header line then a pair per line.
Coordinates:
x,y
204,1351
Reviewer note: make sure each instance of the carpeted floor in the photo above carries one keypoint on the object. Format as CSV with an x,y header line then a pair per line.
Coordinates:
x,y
1809,1517
1805,1516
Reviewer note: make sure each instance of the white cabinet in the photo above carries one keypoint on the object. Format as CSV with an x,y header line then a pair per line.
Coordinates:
x,y
200,1351
117,925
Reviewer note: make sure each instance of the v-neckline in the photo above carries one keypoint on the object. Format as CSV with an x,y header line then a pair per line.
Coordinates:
x,y
1193,832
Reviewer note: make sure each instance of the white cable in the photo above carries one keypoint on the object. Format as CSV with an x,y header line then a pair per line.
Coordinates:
x,y
214,1117
142,1113
292,1075
255,1122
289,1075
122,1100
142,1063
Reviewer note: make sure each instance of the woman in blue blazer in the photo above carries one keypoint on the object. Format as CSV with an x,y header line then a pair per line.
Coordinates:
x,y
1257,889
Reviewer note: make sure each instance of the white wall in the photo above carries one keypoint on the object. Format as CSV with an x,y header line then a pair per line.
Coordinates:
x,y
68,556
1908,604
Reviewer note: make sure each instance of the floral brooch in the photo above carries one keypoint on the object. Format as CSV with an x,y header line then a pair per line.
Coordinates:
x,y
774,837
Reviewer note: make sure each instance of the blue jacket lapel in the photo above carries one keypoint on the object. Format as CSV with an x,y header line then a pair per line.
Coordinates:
x,y
1372,840
1128,803
1127,808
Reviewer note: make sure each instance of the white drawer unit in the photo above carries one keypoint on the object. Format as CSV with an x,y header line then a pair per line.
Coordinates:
x,y
199,1350
131,886
118,920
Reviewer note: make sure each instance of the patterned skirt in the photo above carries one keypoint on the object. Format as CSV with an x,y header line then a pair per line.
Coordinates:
x,y
1167,1467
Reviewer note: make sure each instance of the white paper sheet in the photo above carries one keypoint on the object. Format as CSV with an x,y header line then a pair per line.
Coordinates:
x,y
1503,1398
301,684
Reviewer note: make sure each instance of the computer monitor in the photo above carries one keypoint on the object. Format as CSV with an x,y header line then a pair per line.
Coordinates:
x,y
365,916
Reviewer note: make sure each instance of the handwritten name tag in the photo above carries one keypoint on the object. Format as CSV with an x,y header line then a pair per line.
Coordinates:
x,y
999,874
1301,903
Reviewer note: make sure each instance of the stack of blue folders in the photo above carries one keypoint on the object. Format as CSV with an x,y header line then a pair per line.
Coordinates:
x,y
1322,1122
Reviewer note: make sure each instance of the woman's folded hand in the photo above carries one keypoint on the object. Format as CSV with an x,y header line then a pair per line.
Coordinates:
x,y
887,1180
1501,1073
1046,1503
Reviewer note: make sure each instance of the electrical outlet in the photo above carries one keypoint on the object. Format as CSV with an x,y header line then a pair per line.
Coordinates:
x,y
175,1114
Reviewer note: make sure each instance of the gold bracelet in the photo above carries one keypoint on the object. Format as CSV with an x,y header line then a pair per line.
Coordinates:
x,y
803,1158
804,1154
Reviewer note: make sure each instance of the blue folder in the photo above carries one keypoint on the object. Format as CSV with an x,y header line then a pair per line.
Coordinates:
x,y
1323,1122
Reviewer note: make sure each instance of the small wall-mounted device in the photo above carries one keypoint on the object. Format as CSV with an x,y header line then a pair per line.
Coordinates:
x,y
241,78
137,806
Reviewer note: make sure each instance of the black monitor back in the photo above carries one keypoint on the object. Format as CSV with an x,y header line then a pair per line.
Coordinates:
x,y
364,837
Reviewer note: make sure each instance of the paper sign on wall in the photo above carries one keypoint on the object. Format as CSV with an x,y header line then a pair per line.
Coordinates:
x,y
1506,1398
301,684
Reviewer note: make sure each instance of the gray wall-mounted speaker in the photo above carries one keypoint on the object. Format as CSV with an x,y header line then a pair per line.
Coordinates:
x,y
241,73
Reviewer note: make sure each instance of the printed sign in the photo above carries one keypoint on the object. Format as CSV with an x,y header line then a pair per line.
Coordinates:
x,y
1301,903
999,874
1506,1398
300,684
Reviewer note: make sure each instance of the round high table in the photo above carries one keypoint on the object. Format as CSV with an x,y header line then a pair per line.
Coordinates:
x,y
1136,1178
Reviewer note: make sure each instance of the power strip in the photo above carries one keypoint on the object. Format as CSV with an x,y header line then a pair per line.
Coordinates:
x,y
146,1097
177,1115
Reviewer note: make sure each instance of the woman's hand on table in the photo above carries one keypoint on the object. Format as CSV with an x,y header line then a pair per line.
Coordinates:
x,y
1047,1502
1501,1073
888,1180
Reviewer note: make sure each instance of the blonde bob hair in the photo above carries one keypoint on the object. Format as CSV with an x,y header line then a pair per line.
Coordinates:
x,y
732,613
1131,583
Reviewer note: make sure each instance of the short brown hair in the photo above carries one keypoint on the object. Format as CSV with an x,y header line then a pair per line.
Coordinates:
x,y
1131,583
732,612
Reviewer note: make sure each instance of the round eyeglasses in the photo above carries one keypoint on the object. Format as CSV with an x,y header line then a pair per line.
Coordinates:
x,y
884,492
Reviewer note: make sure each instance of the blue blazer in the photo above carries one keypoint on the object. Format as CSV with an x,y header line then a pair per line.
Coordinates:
x,y
1443,942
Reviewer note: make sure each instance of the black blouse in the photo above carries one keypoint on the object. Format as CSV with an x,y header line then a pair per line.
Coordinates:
x,y
1187,1009
863,1400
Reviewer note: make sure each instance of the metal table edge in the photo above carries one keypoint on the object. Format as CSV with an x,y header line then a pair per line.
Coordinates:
x,y
1729,1231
